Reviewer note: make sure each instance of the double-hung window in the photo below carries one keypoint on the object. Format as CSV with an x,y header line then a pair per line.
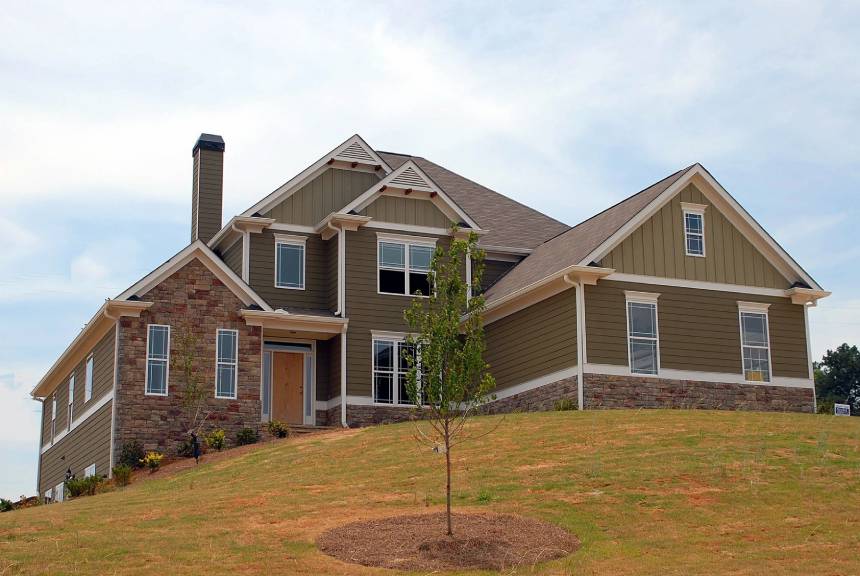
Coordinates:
x,y
643,341
755,341
88,379
157,359
71,401
226,371
404,265
390,370
290,262
53,416
694,228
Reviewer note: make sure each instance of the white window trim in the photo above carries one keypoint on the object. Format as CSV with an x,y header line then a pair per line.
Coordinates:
x,y
70,409
89,368
235,364
649,298
146,391
698,209
90,471
53,416
290,240
406,241
755,308
395,338
60,492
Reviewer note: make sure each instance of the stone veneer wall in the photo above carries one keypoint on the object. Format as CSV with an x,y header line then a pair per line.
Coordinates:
x,y
537,399
606,391
192,297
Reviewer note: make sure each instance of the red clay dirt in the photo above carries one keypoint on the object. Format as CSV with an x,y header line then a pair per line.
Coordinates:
x,y
480,541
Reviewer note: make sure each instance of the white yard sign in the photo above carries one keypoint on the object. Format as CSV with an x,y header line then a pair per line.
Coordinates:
x,y
842,409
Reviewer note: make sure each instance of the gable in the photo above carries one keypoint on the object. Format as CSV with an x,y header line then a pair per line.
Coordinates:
x,y
656,248
402,210
327,193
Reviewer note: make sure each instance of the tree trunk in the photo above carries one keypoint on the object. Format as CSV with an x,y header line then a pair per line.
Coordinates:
x,y
448,485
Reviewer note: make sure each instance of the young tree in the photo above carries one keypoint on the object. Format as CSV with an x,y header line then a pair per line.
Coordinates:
x,y
192,394
447,377
837,377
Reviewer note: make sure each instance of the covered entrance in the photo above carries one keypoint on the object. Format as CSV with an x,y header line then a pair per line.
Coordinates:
x,y
288,382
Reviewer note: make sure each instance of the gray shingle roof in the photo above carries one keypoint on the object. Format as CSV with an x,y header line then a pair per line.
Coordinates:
x,y
569,248
510,223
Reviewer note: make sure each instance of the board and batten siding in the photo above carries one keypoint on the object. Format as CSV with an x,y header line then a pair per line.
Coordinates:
x,y
657,248
103,376
317,280
699,330
327,193
367,309
87,444
533,342
232,257
207,198
412,211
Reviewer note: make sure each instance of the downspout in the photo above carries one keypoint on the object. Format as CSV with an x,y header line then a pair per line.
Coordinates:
x,y
340,268
343,421
468,275
246,252
341,311
809,359
580,348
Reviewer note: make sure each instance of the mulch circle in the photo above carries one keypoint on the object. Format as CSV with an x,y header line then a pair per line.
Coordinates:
x,y
481,541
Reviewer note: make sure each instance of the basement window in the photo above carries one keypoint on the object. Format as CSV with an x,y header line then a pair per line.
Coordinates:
x,y
642,333
290,262
227,352
404,265
755,342
157,360
90,471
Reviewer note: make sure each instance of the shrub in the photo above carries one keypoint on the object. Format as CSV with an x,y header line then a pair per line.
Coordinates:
x,y
152,460
278,429
132,454
122,475
564,404
216,439
826,406
6,505
83,486
247,436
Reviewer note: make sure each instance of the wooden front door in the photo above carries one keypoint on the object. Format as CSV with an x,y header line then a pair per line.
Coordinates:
x,y
288,383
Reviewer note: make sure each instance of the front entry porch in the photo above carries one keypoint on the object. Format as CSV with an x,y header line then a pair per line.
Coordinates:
x,y
289,383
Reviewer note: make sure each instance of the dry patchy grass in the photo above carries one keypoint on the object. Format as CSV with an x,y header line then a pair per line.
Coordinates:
x,y
648,492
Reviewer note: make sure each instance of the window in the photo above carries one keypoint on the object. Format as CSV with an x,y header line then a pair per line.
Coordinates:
x,y
403,266
642,333
90,471
157,360
390,369
226,371
53,416
755,342
694,228
71,399
88,380
290,262
60,492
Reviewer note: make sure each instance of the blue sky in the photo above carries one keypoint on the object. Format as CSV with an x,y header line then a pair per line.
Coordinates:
x,y
567,108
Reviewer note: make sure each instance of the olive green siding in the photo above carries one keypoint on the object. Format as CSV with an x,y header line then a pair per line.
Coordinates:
x,y
327,193
699,330
657,248
87,444
323,369
103,373
331,260
493,272
533,342
206,195
401,210
334,367
233,257
367,309
317,269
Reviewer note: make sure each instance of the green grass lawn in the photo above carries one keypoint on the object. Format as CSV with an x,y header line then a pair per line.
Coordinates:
x,y
647,492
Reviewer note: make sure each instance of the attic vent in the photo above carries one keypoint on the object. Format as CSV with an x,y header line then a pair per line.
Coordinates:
x,y
357,153
409,178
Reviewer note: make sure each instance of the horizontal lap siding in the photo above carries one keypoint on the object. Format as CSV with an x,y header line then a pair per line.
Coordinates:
x,y
331,271
87,444
327,193
209,201
323,369
367,309
533,342
493,272
699,329
657,248
233,257
317,269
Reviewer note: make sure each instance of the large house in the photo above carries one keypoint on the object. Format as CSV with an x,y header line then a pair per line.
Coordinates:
x,y
675,297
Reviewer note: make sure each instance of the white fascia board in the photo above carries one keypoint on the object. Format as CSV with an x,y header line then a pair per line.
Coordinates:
x,y
288,188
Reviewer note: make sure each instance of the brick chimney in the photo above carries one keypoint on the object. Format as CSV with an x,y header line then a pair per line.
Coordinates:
x,y
207,187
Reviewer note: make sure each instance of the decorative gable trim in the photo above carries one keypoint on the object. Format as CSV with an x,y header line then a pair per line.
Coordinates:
x,y
728,206
199,251
409,179
354,153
